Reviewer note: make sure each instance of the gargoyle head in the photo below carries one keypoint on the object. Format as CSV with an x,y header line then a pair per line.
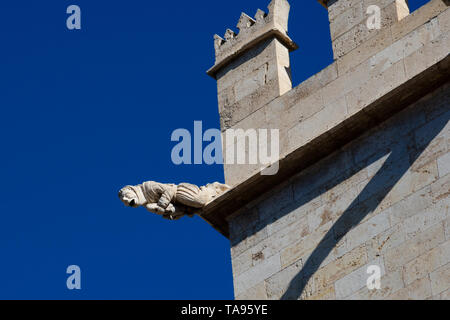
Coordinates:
x,y
132,196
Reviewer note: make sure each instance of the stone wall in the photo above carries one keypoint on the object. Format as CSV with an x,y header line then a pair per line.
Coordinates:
x,y
381,200
348,21
374,189
396,54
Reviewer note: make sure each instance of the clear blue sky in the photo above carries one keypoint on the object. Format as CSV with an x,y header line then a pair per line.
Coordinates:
x,y
86,112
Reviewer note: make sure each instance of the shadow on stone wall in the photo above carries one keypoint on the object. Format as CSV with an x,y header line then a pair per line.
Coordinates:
x,y
395,166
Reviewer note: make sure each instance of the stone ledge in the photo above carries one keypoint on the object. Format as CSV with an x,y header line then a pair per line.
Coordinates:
x,y
218,212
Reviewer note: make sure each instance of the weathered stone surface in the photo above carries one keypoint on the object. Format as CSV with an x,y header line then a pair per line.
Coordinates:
x,y
418,290
242,263
383,242
419,17
349,30
413,215
378,193
260,272
368,229
336,8
440,279
278,283
441,189
423,220
390,283
444,165
410,249
365,51
347,20
353,282
257,292
340,267
323,120
421,266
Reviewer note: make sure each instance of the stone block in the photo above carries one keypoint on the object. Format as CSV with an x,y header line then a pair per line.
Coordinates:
x,y
241,263
418,290
447,227
296,215
346,20
340,267
255,275
390,283
303,109
441,188
367,230
280,282
402,254
417,18
317,124
413,181
334,192
419,61
346,83
281,239
445,295
366,50
377,87
322,294
248,240
258,292
385,241
251,83
243,222
421,266
424,219
356,280
359,33
247,63
443,163
339,7
351,40
440,279
302,247
277,200
431,146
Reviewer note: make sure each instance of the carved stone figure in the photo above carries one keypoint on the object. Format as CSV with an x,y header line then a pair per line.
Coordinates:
x,y
169,200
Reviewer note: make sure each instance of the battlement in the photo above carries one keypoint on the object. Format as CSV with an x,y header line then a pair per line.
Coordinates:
x,y
253,31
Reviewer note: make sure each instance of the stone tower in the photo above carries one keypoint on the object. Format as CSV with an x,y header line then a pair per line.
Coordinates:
x,y
364,169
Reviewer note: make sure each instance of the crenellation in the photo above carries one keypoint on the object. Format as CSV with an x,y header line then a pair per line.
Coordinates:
x,y
229,35
251,31
260,16
245,22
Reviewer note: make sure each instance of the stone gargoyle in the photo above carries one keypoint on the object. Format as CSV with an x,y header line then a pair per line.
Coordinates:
x,y
169,200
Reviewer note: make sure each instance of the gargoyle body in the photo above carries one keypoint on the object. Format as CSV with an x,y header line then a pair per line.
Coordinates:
x,y
170,200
